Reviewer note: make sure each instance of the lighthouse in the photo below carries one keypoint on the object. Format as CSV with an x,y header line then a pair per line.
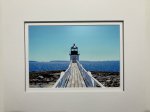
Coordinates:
x,y
74,55
75,75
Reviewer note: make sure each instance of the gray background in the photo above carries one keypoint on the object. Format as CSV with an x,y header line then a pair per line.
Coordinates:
x,y
135,14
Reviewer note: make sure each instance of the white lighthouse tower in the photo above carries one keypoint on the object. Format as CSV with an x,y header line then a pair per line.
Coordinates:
x,y
74,55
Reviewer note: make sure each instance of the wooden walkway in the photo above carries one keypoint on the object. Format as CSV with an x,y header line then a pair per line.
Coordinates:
x,y
75,79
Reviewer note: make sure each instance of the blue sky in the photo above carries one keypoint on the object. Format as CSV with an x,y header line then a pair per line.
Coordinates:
x,y
95,43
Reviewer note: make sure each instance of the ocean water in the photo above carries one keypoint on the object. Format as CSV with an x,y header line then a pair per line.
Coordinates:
x,y
104,66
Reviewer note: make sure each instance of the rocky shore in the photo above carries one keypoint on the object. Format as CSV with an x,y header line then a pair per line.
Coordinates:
x,y
43,79
48,78
108,79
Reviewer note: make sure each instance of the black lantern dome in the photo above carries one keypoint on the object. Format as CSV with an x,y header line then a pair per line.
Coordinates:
x,y
74,50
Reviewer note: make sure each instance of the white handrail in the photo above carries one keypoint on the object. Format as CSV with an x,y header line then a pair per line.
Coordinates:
x,y
64,77
88,78
61,75
89,73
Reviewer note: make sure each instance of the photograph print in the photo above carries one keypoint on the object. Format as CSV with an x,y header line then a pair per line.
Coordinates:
x,y
74,55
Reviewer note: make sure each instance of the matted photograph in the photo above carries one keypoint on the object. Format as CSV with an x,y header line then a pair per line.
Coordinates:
x,y
74,54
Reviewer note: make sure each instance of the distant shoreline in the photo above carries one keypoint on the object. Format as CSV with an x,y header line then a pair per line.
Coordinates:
x,y
80,61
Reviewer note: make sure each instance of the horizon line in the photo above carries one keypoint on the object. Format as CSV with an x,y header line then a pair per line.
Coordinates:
x,y
69,60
